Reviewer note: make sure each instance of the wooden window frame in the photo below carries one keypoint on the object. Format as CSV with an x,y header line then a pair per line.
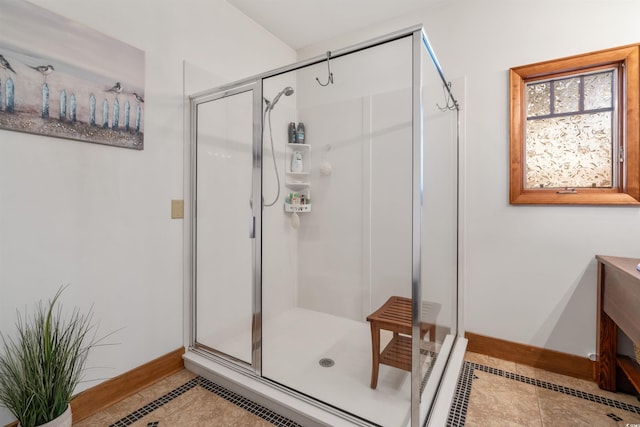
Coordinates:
x,y
628,190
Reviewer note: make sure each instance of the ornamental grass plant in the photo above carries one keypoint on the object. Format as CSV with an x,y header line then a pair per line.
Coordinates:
x,y
43,363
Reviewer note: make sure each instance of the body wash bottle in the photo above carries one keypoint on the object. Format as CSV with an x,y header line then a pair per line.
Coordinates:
x,y
296,162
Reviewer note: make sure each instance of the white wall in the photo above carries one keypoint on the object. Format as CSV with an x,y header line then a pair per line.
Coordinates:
x,y
530,270
98,217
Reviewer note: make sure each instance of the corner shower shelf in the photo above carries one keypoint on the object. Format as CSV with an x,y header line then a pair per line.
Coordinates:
x,y
298,181
298,176
297,185
288,207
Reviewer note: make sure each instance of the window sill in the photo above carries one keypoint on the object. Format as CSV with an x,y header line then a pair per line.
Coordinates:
x,y
591,198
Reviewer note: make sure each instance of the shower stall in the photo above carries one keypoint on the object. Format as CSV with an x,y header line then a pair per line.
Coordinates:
x,y
324,279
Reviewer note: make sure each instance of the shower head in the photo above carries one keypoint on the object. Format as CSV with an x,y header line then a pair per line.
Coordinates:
x,y
287,91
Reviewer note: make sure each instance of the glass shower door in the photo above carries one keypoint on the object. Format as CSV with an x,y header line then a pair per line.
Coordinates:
x,y
439,228
225,223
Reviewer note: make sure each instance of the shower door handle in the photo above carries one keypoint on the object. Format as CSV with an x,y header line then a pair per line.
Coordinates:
x,y
252,221
252,227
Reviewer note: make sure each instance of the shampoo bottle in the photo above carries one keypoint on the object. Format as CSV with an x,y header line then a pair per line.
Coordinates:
x,y
301,135
296,162
293,137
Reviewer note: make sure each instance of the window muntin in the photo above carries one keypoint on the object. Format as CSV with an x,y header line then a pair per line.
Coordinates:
x,y
571,132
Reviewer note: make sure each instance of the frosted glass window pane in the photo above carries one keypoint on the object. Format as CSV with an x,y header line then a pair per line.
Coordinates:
x,y
572,151
538,99
598,90
567,95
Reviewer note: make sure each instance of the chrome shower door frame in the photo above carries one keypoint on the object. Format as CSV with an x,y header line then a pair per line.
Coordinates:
x,y
254,230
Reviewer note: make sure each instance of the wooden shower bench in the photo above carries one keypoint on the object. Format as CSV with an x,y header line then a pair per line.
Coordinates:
x,y
394,316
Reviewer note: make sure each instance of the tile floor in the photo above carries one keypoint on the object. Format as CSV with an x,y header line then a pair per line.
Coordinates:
x,y
185,399
490,392
494,392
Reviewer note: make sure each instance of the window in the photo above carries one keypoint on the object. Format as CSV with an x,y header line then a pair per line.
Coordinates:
x,y
575,130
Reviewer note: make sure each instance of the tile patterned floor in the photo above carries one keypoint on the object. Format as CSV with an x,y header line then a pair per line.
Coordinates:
x,y
490,392
185,399
494,392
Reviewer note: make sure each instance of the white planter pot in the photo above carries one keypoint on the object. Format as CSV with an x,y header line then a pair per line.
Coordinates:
x,y
63,420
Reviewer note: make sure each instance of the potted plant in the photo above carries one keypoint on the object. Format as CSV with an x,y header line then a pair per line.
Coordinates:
x,y
42,365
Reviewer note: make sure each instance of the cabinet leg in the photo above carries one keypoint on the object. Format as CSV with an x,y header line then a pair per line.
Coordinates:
x,y
607,352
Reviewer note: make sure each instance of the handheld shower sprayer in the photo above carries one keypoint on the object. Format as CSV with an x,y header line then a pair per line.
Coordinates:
x,y
287,91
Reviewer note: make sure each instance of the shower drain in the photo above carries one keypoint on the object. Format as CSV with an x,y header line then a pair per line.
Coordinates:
x,y
326,362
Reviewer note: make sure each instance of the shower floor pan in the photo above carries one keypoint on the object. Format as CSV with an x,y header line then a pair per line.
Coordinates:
x,y
294,343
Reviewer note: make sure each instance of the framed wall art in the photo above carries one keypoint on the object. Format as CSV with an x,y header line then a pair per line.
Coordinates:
x,y
62,79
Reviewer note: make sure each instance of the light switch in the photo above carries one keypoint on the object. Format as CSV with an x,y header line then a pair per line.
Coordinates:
x,y
177,209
